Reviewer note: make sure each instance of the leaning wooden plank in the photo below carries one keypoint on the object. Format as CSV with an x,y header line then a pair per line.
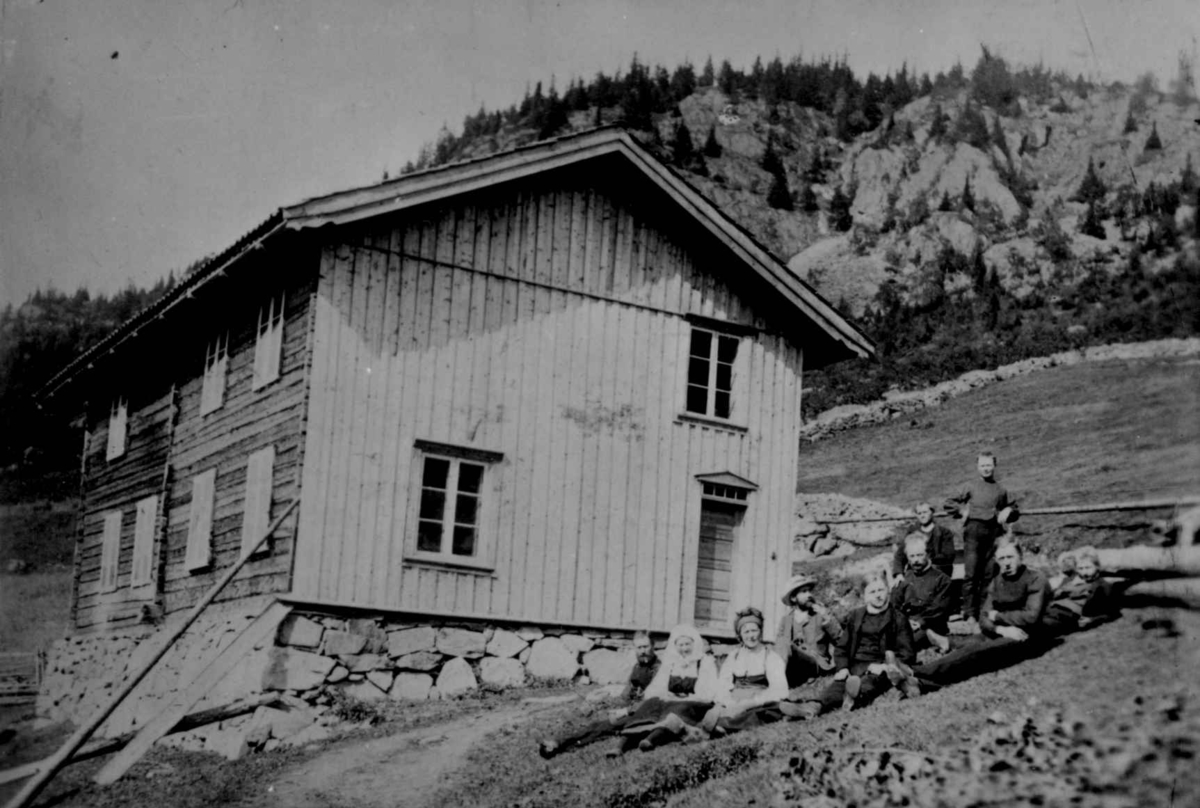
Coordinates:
x,y
102,746
34,787
259,631
1185,590
1180,560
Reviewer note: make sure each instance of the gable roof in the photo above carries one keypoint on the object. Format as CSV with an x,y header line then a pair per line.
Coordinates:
x,y
431,185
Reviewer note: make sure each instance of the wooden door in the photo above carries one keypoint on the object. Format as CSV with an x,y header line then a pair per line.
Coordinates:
x,y
719,522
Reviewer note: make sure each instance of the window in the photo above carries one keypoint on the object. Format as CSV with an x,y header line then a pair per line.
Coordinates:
x,y
110,551
216,362
142,572
118,419
269,344
256,513
451,503
711,358
199,536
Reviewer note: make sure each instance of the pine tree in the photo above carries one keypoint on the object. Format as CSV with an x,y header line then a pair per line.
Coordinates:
x,y
1187,180
1092,188
770,161
808,199
937,129
682,150
780,196
711,147
726,80
945,205
968,198
1153,143
839,211
707,76
1130,124
1091,225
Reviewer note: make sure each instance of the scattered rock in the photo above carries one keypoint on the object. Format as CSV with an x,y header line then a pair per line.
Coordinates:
x,y
457,642
411,686
551,659
456,678
291,669
501,672
411,640
381,680
338,674
300,632
343,643
505,644
608,667
364,663
530,633
420,661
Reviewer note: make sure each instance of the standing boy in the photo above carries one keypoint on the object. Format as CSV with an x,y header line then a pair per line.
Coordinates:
x,y
987,507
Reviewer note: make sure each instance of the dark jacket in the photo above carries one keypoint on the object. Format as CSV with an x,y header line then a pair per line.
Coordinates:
x,y
925,597
898,638
940,543
814,638
1019,601
640,678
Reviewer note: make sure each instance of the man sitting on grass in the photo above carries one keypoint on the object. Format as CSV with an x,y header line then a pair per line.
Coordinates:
x,y
939,546
1081,600
1010,621
923,596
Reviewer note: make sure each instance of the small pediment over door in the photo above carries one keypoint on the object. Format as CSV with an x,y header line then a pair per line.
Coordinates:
x,y
726,486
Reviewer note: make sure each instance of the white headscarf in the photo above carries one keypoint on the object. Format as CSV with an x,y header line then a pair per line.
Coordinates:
x,y
672,654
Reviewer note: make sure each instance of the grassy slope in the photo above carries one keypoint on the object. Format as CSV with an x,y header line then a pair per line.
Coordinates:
x,y
35,607
1088,433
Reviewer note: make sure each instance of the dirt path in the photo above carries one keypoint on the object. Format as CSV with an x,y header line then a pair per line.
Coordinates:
x,y
397,771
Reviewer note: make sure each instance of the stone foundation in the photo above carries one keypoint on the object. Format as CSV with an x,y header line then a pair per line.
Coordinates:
x,y
318,656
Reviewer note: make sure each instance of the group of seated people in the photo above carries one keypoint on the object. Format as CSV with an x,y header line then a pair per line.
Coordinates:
x,y
685,696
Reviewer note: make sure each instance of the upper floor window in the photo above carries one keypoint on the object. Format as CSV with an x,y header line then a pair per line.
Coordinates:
x,y
118,419
268,346
710,375
451,502
216,362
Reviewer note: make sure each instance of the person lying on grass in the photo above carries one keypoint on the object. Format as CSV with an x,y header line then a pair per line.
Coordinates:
x,y
873,656
1011,616
923,596
645,666
752,682
683,684
806,633
1081,600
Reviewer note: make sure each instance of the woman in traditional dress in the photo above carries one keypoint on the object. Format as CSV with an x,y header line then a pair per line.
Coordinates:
x,y
752,682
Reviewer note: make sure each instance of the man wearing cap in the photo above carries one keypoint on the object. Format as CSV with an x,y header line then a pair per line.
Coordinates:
x,y
806,633
987,507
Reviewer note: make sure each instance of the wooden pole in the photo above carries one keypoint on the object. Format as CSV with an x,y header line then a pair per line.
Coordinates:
x,y
1144,505
53,764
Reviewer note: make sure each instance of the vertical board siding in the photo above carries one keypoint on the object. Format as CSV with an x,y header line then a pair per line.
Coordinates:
x,y
545,324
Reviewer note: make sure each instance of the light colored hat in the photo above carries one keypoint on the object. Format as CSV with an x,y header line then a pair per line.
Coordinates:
x,y
796,582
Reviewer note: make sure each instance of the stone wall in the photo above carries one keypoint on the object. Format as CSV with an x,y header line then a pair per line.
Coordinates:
x,y
315,654
900,403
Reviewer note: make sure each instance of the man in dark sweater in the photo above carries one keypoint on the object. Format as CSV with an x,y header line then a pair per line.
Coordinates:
x,y
1081,600
987,507
1010,621
923,596
644,668
939,545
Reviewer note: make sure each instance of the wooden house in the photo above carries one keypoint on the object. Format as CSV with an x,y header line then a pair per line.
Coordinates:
x,y
552,386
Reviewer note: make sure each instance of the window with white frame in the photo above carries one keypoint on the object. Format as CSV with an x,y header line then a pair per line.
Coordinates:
x,y
216,363
118,421
142,570
110,551
451,503
200,515
712,357
256,512
268,346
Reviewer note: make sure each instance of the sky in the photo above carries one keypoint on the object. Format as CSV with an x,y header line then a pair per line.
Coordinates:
x,y
137,136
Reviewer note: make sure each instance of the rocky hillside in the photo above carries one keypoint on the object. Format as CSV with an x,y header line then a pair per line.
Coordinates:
x,y
982,223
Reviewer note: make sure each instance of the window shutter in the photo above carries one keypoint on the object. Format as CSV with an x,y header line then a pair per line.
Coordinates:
x,y
143,542
216,363
269,345
110,551
199,542
256,517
